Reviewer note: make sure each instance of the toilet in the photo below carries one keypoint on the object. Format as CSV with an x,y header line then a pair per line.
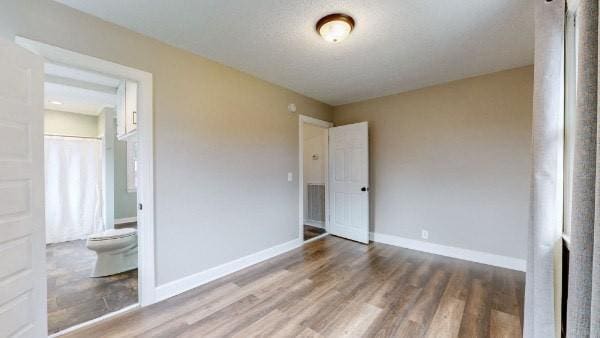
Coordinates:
x,y
116,251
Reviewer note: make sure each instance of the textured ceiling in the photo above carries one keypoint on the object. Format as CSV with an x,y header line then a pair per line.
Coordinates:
x,y
397,45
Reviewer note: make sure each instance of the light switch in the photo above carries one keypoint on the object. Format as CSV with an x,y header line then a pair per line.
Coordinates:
x,y
290,177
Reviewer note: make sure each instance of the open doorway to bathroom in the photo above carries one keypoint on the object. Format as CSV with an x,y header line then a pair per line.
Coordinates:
x,y
314,159
90,148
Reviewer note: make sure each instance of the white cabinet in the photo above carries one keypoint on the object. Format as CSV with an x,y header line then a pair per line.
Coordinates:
x,y
131,89
127,109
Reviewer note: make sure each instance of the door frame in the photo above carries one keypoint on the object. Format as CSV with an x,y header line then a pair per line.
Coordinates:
x,y
108,166
145,192
302,119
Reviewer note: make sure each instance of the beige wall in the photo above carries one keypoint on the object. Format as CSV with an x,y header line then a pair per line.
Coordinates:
x,y
453,159
315,142
70,124
224,141
315,170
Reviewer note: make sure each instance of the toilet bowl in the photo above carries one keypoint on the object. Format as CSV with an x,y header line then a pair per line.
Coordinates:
x,y
116,251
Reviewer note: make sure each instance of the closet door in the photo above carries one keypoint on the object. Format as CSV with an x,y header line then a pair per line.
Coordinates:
x,y
349,181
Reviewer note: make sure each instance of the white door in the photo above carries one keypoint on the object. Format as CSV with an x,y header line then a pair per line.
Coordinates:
x,y
349,181
22,244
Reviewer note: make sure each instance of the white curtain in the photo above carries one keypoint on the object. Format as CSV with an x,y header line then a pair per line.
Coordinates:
x,y
73,188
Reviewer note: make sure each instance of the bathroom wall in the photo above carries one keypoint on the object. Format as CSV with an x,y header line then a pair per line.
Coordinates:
x,y
125,202
70,124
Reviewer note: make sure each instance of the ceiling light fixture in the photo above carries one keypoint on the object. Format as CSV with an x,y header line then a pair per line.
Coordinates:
x,y
58,103
335,27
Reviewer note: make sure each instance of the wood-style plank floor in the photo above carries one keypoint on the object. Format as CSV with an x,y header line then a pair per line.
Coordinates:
x,y
333,288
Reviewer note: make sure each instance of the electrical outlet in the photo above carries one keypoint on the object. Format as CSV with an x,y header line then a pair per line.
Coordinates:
x,y
425,234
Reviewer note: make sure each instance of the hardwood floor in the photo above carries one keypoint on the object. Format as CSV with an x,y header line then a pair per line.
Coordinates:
x,y
333,288
73,296
312,232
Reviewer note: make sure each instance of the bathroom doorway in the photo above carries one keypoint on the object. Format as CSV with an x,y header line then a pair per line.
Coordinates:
x,y
90,196
99,188
313,177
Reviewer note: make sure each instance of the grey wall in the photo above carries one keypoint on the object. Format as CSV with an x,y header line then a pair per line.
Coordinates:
x,y
224,141
125,202
453,159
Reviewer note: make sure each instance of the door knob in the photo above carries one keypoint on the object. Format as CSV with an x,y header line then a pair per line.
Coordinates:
x,y
364,189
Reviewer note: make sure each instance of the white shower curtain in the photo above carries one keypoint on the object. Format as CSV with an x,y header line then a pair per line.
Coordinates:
x,y
73,188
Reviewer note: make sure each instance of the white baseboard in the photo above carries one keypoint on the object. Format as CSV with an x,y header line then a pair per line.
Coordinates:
x,y
125,220
316,238
449,251
315,224
187,283
96,321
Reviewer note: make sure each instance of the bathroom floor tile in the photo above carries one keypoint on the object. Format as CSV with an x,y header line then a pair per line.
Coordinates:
x,y
73,296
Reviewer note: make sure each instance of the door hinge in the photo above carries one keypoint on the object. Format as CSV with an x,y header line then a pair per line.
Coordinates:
x,y
140,206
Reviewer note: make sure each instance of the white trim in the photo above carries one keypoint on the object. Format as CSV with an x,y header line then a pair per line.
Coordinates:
x,y
108,169
96,321
316,224
187,283
146,259
126,220
314,121
302,119
316,238
449,251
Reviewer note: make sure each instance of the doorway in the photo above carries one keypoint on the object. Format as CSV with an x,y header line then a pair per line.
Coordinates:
x,y
334,180
313,177
90,197
124,163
